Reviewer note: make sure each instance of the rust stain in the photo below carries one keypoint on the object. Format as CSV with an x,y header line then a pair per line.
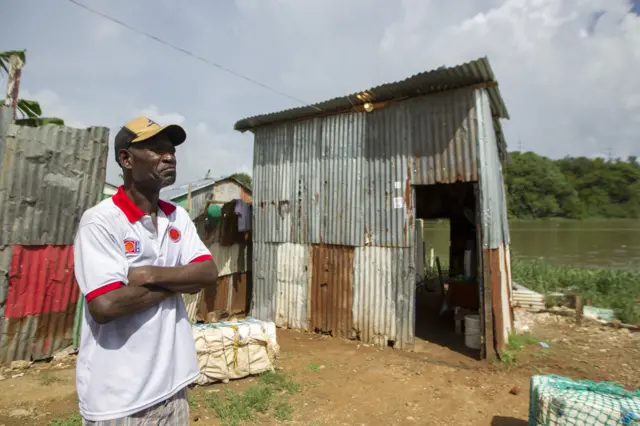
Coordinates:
x,y
241,289
408,199
488,349
37,337
299,199
332,290
215,298
496,275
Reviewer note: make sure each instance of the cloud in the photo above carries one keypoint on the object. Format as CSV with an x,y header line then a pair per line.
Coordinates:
x,y
53,106
567,69
163,119
106,30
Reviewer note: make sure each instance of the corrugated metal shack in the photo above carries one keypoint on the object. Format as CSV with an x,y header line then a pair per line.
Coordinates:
x,y
334,213
50,175
231,250
221,190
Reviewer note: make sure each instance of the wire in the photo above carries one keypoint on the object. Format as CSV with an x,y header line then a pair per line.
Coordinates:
x,y
292,22
187,52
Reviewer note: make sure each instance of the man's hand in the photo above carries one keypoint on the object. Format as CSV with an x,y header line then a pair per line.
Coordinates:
x,y
177,279
142,276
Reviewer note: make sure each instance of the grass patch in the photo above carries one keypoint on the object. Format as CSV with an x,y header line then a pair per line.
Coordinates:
x,y
607,288
47,379
518,341
193,404
283,411
285,356
313,367
72,420
509,358
614,289
269,397
279,381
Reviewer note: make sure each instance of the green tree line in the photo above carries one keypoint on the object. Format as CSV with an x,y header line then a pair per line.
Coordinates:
x,y
572,187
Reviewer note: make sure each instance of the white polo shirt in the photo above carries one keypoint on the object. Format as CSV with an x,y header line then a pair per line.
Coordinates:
x,y
135,361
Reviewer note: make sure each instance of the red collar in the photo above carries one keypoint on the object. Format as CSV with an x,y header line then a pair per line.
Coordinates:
x,y
133,212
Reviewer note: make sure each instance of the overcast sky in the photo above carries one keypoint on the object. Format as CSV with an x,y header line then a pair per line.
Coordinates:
x,y
569,70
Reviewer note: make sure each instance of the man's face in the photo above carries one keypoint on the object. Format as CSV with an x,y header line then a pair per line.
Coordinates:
x,y
152,163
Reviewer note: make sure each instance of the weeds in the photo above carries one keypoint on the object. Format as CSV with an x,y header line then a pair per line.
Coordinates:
x,y
518,341
47,378
508,358
607,288
267,397
283,411
313,367
193,404
72,420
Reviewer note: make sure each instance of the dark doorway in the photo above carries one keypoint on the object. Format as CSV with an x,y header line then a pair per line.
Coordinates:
x,y
447,292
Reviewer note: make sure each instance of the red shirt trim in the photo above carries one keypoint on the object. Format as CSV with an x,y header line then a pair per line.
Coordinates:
x,y
202,258
103,290
133,212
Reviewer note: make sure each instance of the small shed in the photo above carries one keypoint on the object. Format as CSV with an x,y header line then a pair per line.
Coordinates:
x,y
215,190
338,187
108,191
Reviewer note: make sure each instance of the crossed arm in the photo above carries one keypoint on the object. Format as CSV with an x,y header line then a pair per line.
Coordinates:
x,y
149,285
101,278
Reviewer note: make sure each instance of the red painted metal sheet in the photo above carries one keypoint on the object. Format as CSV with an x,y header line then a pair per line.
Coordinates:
x,y
41,299
41,281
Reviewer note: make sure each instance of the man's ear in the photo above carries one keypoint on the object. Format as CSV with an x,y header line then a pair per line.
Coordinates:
x,y
125,158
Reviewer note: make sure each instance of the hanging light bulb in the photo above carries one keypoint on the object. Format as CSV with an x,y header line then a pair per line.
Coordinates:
x,y
368,107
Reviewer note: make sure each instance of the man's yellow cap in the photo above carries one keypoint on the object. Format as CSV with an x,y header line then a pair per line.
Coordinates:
x,y
144,128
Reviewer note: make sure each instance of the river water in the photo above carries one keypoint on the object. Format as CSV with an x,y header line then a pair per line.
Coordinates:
x,y
590,244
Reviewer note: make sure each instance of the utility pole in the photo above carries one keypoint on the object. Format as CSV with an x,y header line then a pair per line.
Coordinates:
x,y
13,83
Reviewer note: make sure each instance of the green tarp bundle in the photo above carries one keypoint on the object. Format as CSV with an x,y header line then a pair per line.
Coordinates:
x,y
558,401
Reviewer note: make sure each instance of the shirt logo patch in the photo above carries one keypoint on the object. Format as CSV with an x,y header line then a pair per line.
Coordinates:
x,y
175,234
131,246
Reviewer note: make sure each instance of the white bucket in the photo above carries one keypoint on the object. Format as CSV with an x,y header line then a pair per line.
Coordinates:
x,y
472,331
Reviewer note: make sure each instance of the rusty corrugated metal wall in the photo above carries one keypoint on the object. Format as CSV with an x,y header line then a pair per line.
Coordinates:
x,y
495,231
384,286
346,180
265,261
332,290
49,177
309,176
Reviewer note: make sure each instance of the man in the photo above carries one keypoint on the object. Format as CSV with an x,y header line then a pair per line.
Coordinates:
x,y
134,256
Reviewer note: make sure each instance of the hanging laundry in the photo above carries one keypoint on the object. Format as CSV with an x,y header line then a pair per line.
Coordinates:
x,y
243,210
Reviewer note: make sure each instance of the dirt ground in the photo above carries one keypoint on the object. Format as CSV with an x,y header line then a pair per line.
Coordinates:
x,y
348,383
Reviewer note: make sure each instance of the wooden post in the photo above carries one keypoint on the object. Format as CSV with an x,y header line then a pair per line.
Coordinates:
x,y
579,310
13,83
189,198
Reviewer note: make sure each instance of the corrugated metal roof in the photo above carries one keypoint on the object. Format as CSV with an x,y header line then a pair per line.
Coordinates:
x,y
441,79
175,191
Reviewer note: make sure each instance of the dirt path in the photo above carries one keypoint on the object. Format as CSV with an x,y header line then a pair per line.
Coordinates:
x,y
347,383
